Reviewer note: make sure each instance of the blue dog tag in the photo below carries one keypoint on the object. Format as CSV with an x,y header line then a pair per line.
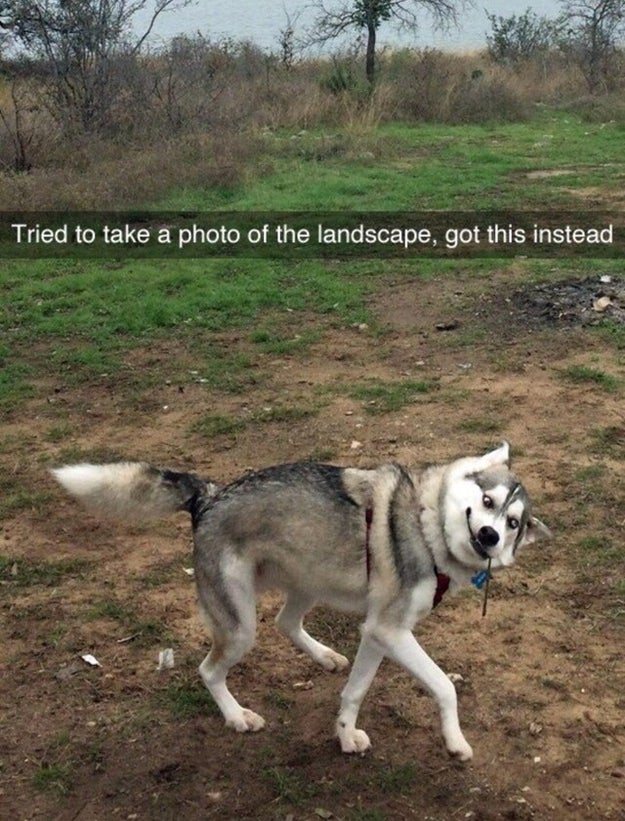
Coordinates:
x,y
480,579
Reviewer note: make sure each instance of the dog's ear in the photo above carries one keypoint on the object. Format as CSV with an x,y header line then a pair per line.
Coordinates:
x,y
537,531
499,456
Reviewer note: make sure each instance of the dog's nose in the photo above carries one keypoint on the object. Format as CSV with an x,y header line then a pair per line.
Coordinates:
x,y
487,536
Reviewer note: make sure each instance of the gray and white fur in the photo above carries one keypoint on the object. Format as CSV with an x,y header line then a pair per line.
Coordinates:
x,y
368,541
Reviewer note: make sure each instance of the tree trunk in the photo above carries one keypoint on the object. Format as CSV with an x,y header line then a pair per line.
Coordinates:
x,y
370,64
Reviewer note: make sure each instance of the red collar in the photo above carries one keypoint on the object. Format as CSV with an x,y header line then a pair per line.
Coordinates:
x,y
442,586
368,520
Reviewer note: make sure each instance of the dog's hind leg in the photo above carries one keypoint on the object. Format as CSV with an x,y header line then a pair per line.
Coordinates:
x,y
231,617
290,622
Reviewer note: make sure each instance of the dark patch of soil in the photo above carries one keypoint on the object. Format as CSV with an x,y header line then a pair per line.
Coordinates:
x,y
583,302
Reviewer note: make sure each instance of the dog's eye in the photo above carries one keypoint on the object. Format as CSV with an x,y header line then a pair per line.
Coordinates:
x,y
513,523
487,501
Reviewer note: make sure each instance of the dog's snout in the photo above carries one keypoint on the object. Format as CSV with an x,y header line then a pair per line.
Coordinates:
x,y
487,536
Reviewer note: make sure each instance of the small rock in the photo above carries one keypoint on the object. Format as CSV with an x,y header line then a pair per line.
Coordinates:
x,y
447,326
166,659
601,304
91,660
355,444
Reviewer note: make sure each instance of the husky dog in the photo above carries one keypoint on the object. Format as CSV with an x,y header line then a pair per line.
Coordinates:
x,y
385,542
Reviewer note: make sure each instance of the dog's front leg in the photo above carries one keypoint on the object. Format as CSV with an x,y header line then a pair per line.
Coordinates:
x,y
364,668
402,647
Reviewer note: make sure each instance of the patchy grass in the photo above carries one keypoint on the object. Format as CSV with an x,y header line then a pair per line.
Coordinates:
x,y
16,499
227,371
217,424
284,413
387,397
54,777
185,699
22,572
586,375
214,424
289,785
58,433
480,424
270,342
108,609
609,441
397,779
599,549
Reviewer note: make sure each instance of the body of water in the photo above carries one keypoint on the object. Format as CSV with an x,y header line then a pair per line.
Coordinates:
x,y
262,20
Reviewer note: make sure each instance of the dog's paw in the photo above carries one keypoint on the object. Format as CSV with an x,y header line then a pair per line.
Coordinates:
x,y
332,661
246,722
353,740
461,751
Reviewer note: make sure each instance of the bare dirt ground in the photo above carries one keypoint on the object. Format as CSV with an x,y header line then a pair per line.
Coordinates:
x,y
542,690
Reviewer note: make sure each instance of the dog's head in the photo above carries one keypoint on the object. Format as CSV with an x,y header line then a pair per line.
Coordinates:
x,y
487,511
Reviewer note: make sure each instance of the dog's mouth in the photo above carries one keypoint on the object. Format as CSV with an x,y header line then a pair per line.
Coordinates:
x,y
484,540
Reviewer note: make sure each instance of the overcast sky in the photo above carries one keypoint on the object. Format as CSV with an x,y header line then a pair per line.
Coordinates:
x,y
262,20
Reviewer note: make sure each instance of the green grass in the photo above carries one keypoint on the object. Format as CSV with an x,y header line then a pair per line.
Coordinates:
x,y
58,433
186,700
277,699
590,473
141,632
386,397
108,609
75,321
15,498
216,424
54,778
395,779
23,572
480,424
227,371
598,547
268,341
104,306
430,167
585,375
289,785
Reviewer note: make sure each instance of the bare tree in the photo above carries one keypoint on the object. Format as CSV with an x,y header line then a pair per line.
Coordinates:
x,y
18,116
593,30
366,17
80,43
286,41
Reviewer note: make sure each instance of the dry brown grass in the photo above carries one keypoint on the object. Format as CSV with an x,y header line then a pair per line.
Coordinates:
x,y
109,176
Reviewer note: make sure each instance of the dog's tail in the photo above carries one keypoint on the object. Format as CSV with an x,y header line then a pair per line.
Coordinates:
x,y
133,490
